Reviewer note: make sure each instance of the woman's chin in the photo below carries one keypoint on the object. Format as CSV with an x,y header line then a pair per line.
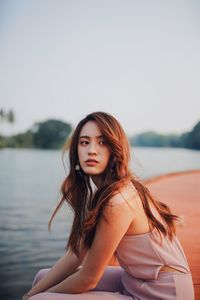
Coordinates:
x,y
92,173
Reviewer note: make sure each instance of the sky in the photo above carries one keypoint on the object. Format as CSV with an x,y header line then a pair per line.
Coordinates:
x,y
137,60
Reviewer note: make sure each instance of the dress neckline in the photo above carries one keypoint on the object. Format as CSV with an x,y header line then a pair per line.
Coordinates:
x,y
140,234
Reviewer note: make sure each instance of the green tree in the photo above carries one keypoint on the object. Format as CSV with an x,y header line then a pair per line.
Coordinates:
x,y
22,140
185,140
2,114
194,137
50,134
8,117
148,139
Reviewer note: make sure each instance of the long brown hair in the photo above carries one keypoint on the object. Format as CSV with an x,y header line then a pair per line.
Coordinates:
x,y
88,205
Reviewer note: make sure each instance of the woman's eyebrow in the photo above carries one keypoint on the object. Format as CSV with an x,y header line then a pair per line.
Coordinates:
x,y
88,137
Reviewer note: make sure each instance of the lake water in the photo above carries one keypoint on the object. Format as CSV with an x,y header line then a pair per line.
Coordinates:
x,y
29,190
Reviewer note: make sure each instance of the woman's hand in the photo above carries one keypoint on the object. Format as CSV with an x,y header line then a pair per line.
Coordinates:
x,y
26,296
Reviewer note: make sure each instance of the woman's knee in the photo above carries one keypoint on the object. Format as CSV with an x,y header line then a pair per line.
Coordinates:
x,y
111,280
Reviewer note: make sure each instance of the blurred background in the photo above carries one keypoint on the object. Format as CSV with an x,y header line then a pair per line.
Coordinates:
x,y
59,60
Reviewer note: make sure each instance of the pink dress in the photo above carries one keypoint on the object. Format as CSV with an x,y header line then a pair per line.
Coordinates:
x,y
138,277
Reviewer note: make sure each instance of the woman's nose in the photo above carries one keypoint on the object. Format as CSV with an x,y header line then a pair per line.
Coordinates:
x,y
92,149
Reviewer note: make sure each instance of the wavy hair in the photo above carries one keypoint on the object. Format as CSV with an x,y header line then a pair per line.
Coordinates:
x,y
88,205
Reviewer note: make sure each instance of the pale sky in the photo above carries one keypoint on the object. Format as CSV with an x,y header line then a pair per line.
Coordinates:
x,y
138,60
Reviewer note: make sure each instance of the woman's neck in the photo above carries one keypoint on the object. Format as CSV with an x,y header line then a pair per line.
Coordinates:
x,y
97,179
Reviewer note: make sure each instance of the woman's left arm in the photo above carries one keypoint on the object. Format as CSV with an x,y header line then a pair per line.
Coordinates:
x,y
111,228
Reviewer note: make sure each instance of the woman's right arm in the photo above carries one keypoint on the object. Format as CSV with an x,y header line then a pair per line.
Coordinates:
x,y
64,267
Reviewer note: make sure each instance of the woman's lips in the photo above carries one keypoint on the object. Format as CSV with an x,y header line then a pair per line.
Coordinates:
x,y
91,162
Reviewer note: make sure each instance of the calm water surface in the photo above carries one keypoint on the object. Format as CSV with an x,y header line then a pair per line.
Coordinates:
x,y
29,191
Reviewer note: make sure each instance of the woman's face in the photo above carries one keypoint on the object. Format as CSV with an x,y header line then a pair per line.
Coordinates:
x,y
93,153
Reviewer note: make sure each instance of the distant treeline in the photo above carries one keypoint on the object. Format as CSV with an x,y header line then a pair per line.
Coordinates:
x,y
53,134
190,140
50,134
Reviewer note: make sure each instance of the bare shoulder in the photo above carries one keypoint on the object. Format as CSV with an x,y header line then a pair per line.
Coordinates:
x,y
125,195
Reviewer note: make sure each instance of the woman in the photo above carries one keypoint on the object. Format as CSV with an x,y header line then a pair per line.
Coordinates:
x,y
119,216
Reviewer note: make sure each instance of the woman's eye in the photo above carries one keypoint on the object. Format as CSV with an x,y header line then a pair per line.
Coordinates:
x,y
83,142
87,142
